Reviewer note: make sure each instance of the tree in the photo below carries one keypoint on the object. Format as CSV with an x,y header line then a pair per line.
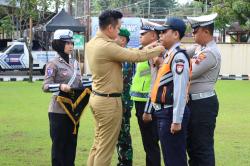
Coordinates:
x,y
231,11
70,7
31,7
58,3
159,8
101,5
7,26
189,9
156,8
139,8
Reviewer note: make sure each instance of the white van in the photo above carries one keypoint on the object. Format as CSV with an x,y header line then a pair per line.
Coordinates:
x,y
16,57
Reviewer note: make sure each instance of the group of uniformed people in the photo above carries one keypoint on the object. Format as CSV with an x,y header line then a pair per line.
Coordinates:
x,y
172,89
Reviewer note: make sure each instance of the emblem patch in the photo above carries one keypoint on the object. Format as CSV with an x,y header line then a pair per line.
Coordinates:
x,y
49,72
179,68
202,57
198,59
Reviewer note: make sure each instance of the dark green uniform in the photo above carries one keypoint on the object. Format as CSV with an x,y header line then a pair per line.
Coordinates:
x,y
124,145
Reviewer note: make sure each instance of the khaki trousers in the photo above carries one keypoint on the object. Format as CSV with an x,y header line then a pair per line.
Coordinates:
x,y
107,112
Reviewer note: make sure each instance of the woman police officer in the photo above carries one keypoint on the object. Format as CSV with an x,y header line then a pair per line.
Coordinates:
x,y
62,74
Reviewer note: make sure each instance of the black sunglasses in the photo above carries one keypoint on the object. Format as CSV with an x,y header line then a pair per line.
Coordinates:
x,y
195,30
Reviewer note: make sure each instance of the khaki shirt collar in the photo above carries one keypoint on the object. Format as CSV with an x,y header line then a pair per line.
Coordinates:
x,y
102,35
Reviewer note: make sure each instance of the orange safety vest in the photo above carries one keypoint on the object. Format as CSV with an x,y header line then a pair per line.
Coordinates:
x,y
162,92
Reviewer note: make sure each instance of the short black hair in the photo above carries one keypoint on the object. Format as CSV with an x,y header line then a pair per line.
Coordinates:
x,y
58,45
181,34
210,28
108,17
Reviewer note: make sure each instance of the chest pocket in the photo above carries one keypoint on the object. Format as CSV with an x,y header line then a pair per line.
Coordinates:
x,y
64,74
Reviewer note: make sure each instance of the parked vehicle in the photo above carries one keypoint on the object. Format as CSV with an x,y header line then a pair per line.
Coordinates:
x,y
16,57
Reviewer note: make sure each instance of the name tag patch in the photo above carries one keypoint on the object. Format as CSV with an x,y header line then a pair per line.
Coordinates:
x,y
179,68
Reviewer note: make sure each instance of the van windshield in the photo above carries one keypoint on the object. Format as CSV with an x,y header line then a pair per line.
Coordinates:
x,y
5,48
16,49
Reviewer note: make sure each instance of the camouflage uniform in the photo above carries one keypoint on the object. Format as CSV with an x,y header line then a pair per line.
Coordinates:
x,y
124,145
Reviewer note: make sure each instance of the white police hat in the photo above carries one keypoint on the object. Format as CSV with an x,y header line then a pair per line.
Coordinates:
x,y
147,26
64,35
202,21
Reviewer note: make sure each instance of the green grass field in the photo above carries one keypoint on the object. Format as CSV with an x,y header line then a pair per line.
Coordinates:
x,y
24,127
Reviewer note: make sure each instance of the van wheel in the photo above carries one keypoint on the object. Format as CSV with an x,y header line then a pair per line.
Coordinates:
x,y
1,69
43,70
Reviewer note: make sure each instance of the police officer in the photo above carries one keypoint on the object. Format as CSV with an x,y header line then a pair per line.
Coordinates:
x,y
169,94
104,57
124,145
203,101
140,89
62,74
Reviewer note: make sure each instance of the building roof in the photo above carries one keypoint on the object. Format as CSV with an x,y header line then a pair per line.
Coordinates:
x,y
235,28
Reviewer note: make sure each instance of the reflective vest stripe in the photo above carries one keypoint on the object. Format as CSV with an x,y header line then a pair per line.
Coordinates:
x,y
145,72
166,81
163,72
163,87
166,76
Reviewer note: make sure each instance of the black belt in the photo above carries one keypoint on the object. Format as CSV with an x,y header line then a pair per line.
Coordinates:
x,y
107,95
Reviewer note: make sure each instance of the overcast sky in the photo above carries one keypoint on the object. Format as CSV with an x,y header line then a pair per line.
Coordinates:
x,y
183,1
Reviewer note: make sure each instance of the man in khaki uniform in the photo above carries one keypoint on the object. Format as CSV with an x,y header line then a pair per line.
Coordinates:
x,y
105,57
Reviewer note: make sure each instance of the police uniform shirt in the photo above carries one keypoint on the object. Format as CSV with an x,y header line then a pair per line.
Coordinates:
x,y
104,58
60,72
180,71
153,71
205,68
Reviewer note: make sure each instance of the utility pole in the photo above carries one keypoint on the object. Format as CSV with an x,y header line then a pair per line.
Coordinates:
x,y
76,8
149,8
29,49
87,18
57,6
70,7
206,7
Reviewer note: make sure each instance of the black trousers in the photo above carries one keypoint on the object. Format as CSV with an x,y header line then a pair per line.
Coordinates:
x,y
200,140
64,142
173,145
150,138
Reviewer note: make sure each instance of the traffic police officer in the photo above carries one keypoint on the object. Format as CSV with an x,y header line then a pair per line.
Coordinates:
x,y
124,145
169,94
105,56
140,89
203,102
62,74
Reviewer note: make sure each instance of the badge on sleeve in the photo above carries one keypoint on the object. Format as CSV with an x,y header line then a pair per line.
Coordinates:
x,y
49,72
198,59
202,57
179,68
